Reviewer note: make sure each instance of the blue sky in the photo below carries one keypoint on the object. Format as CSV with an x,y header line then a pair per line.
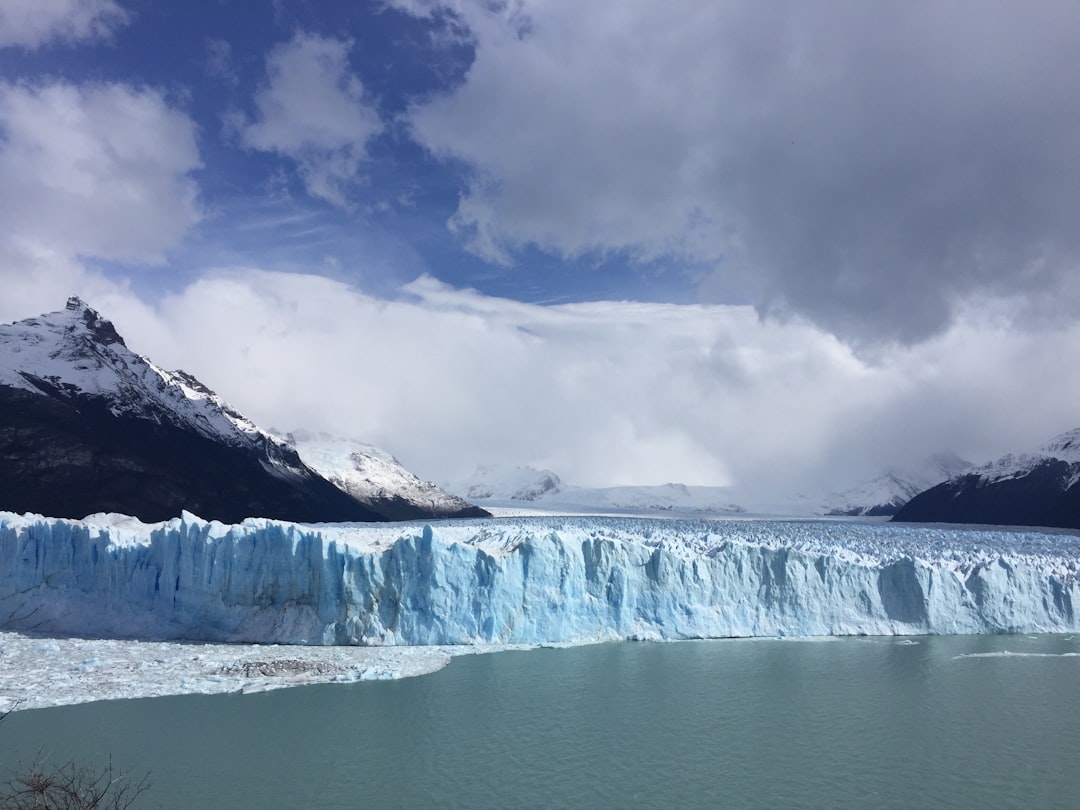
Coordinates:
x,y
781,245
210,60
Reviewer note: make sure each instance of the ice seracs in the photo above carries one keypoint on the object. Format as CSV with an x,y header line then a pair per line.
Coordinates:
x,y
527,581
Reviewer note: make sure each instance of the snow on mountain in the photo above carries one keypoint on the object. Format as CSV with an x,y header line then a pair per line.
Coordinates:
x,y
674,498
1038,488
87,425
375,477
75,352
1064,447
527,581
496,483
519,489
885,494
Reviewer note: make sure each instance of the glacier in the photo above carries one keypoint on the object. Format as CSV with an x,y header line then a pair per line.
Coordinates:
x,y
526,580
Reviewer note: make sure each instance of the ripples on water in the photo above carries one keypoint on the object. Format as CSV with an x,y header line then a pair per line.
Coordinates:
x,y
943,722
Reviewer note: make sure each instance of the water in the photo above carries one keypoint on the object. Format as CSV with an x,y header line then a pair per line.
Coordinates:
x,y
753,723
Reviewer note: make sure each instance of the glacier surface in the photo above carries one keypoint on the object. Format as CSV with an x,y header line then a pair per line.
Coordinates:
x,y
526,581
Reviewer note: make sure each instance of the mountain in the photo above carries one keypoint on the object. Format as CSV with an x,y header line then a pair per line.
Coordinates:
x,y
676,498
1037,488
527,487
87,425
376,478
885,494
496,482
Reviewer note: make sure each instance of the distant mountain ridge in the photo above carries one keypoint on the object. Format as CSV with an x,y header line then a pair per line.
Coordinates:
x,y
87,425
376,478
526,487
884,495
496,482
523,486
1038,488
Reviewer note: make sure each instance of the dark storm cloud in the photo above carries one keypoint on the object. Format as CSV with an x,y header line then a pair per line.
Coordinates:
x,y
870,166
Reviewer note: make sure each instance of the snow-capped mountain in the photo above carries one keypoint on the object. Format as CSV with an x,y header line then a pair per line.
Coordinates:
x,y
87,425
526,488
674,498
496,482
1037,488
542,490
376,478
75,353
885,494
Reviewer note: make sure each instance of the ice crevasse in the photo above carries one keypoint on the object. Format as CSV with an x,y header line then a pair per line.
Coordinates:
x,y
525,581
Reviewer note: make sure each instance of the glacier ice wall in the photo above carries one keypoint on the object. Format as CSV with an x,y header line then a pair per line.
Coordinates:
x,y
507,582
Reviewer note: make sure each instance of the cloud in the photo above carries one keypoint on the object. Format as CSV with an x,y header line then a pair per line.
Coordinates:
x,y
603,393
869,168
312,111
32,23
100,170
93,172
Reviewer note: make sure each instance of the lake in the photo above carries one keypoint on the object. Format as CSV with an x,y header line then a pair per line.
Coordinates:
x,y
969,721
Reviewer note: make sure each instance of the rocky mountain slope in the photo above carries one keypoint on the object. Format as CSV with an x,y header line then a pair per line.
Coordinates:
x,y
498,483
87,425
376,478
888,492
1037,488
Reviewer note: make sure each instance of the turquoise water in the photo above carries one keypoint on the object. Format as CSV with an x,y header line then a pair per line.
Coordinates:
x,y
752,723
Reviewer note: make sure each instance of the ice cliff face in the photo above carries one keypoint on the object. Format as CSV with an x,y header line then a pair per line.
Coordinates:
x,y
526,581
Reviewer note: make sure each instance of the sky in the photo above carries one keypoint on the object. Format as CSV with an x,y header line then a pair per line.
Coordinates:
x,y
783,246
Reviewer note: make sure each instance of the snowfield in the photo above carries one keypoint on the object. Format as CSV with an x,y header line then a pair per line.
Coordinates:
x,y
526,580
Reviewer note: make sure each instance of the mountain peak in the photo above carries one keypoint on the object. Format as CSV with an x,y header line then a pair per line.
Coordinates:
x,y
100,329
87,425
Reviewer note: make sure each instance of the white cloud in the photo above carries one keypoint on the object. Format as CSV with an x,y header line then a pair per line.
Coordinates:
x,y
603,393
32,23
312,110
99,170
868,167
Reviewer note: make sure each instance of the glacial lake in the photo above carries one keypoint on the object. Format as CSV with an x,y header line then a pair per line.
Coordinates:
x,y
972,721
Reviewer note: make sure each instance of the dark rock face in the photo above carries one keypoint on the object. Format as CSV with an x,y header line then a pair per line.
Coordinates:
x,y
878,510
87,425
397,508
73,457
1042,496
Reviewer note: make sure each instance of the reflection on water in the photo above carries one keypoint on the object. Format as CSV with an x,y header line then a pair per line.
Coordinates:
x,y
944,722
